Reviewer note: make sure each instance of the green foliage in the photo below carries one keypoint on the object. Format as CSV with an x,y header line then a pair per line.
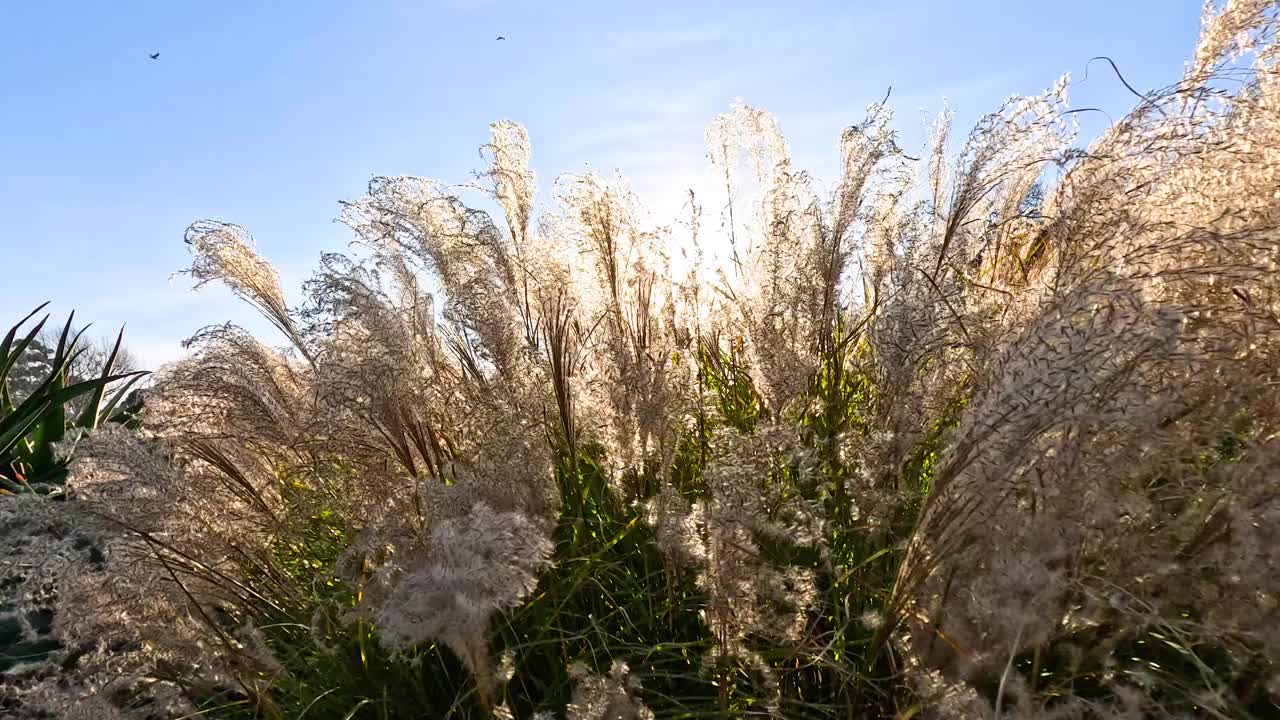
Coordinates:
x,y
1182,673
30,428
863,562
333,667
610,595
723,374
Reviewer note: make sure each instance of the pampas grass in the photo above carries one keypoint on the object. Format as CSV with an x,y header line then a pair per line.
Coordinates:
x,y
983,436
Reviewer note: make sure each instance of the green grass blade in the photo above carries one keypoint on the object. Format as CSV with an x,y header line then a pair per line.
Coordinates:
x,y
91,415
14,427
356,709
37,404
53,425
108,412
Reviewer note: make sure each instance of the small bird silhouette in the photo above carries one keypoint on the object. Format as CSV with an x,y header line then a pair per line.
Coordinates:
x,y
501,37
154,56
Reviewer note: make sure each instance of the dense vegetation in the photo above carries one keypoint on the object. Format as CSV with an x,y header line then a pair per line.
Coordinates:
x,y
992,435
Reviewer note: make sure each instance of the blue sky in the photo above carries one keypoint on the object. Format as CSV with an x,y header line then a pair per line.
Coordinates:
x,y
268,113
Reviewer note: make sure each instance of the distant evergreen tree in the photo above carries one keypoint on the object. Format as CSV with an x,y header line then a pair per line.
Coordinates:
x,y
36,363
32,368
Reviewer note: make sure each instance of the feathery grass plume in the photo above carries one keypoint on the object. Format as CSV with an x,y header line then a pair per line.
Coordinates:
x,y
455,422
741,537
1133,411
769,292
1228,31
471,257
946,270
383,378
233,385
276,492
562,341
634,383
514,186
788,317
479,564
225,252
186,555
745,135
120,624
514,182
606,697
679,527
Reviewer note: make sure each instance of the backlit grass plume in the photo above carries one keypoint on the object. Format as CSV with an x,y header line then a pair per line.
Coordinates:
x,y
983,434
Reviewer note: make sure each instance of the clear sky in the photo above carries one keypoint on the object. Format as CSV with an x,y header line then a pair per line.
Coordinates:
x,y
268,113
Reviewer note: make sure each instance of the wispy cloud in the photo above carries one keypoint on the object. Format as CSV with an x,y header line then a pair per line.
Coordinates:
x,y
827,122
465,5
154,350
663,39
652,116
651,131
